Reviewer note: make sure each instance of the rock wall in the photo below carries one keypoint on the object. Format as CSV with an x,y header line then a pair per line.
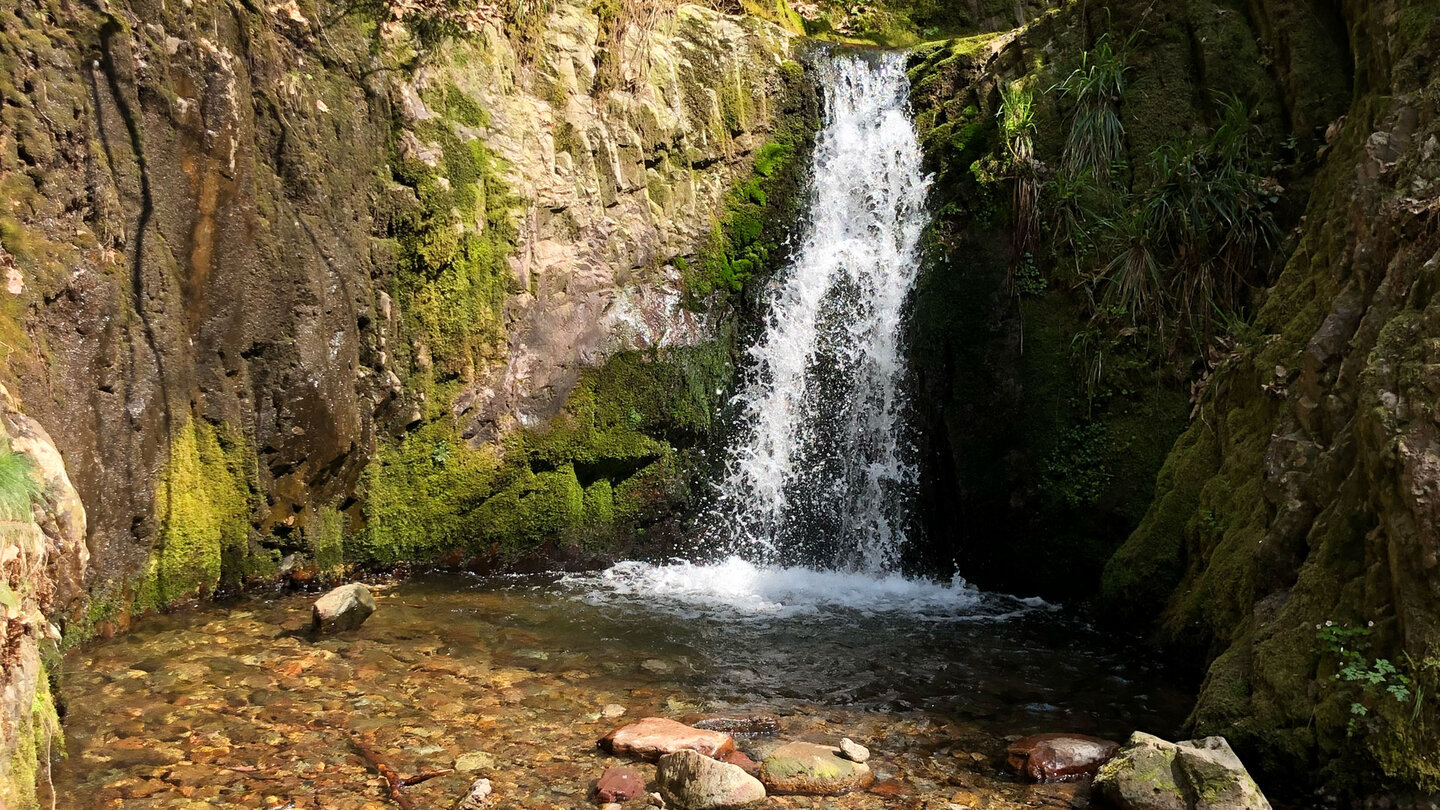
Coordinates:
x,y
251,250
1292,542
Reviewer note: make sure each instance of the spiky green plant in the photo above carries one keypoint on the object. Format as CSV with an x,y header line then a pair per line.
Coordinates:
x,y
1017,129
1095,146
1188,245
18,486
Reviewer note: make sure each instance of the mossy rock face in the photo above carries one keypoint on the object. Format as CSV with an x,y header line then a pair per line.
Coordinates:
x,y
1289,505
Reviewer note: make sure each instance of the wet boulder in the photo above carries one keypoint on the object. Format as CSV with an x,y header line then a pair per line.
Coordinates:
x,y
1152,774
689,780
345,608
1058,757
619,784
654,737
853,751
803,768
756,725
480,796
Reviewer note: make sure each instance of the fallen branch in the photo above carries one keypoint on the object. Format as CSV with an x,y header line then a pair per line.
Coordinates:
x,y
425,776
391,777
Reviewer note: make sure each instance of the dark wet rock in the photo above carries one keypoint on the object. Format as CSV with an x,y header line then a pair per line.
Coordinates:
x,y
1053,757
853,751
746,726
654,737
619,784
1152,774
479,797
690,781
345,608
813,770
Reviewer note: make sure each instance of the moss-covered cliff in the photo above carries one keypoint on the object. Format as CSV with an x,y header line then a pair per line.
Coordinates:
x,y
1287,545
1292,545
310,285
1050,404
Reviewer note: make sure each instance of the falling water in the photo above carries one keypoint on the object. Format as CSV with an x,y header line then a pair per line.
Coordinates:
x,y
811,511
819,474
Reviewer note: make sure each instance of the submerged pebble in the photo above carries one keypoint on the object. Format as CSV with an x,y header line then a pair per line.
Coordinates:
x,y
212,708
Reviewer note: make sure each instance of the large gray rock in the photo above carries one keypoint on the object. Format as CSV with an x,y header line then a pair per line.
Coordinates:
x,y
1152,774
345,608
689,780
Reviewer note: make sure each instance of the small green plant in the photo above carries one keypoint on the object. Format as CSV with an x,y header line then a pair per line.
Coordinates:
x,y
1188,245
1017,130
1376,678
18,487
1028,278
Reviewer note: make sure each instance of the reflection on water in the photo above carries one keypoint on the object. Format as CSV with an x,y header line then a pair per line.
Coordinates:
x,y
234,707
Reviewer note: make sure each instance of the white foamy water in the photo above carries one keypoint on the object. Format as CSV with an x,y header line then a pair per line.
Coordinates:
x,y
820,472
737,588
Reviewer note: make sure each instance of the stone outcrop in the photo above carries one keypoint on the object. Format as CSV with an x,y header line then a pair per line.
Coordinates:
x,y
813,770
43,561
1152,774
1055,757
345,608
654,737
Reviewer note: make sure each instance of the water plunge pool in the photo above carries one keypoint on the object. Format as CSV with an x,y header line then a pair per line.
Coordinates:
x,y
235,705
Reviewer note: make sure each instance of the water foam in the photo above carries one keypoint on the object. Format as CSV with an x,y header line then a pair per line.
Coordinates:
x,y
738,589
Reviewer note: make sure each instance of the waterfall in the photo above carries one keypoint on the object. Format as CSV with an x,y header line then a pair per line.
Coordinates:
x,y
810,514
819,473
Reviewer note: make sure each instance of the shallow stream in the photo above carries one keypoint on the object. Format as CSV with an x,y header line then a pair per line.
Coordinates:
x,y
236,706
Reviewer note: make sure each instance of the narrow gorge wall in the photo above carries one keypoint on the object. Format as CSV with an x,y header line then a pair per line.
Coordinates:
x,y
1297,500
308,283
1301,497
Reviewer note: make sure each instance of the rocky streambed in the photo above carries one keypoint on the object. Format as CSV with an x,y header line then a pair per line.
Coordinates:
x,y
514,680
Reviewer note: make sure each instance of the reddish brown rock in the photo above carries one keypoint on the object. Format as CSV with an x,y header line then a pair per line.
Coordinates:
x,y
891,788
655,737
1057,757
619,784
743,761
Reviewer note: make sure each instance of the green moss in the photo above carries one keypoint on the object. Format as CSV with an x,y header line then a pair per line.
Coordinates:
x,y
203,506
452,279
37,737
325,536
1150,564
619,452
747,237
420,492
760,210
